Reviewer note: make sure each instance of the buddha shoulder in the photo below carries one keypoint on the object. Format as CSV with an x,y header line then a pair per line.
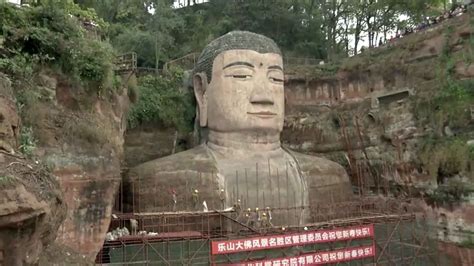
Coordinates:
x,y
196,159
327,181
324,170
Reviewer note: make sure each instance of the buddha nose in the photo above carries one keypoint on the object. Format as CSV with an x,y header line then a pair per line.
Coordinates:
x,y
261,96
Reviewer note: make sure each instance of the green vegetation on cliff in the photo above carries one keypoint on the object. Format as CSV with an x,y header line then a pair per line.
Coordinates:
x,y
27,141
446,157
444,153
53,44
6,180
53,52
49,36
163,100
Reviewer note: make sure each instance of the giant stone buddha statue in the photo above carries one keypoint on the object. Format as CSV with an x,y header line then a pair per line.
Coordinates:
x,y
239,88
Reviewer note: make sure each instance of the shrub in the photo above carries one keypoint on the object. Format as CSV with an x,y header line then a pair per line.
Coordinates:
x,y
468,243
48,35
69,7
86,130
27,141
444,159
454,191
89,61
161,100
19,66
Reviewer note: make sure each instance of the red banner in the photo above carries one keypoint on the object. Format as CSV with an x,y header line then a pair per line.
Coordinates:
x,y
318,258
298,239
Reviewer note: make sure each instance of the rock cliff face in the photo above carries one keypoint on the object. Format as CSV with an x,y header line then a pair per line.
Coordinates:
x,y
31,204
79,136
31,210
148,142
399,115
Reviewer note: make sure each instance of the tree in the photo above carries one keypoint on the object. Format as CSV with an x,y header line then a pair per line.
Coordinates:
x,y
333,11
302,28
163,22
357,9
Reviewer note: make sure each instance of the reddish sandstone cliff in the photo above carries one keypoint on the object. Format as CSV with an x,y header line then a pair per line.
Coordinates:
x,y
80,136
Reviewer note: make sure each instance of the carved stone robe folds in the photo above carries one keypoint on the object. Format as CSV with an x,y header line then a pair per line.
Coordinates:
x,y
279,179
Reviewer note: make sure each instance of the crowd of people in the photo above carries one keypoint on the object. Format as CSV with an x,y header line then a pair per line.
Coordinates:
x,y
429,22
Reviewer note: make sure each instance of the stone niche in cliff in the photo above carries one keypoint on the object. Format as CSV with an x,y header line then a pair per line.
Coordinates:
x,y
306,92
386,98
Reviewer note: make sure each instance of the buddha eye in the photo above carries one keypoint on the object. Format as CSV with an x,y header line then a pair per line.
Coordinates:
x,y
241,76
276,76
277,80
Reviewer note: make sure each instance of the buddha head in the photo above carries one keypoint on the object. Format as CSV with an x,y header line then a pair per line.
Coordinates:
x,y
238,84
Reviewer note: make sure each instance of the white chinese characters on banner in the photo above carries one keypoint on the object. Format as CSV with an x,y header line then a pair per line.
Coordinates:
x,y
303,238
325,257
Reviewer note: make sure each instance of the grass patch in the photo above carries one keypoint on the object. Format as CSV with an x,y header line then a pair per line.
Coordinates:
x,y
86,129
455,191
468,243
6,180
27,141
445,158
315,71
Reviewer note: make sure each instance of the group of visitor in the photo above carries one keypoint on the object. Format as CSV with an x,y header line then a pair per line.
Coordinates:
x,y
431,21
455,11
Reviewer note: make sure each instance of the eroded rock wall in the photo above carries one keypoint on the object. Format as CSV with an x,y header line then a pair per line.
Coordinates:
x,y
380,112
144,145
79,135
32,205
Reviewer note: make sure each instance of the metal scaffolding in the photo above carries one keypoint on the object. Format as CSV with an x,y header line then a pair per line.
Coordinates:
x,y
401,236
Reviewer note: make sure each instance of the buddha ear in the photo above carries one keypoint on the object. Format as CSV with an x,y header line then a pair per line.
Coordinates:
x,y
200,88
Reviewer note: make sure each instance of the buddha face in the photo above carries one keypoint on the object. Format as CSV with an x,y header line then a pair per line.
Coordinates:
x,y
245,93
